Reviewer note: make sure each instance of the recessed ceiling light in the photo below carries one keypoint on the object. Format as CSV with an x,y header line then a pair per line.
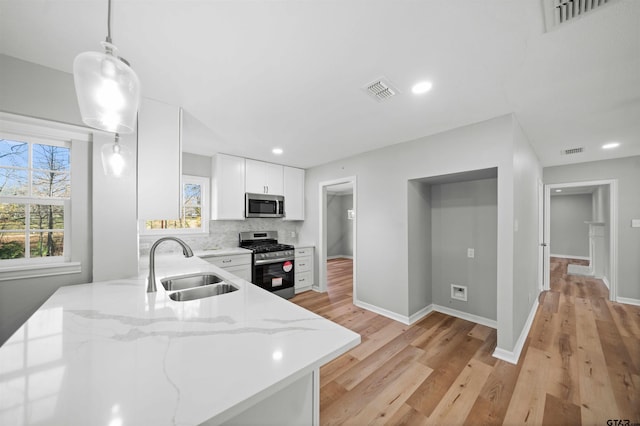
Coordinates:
x,y
277,151
422,87
558,190
611,145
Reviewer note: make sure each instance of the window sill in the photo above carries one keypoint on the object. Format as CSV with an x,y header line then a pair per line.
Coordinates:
x,y
169,232
17,272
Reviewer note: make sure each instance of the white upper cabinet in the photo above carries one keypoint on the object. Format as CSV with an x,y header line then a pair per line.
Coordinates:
x,y
293,193
227,187
159,160
264,178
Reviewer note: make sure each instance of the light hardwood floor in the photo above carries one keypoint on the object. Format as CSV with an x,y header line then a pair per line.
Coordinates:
x,y
580,364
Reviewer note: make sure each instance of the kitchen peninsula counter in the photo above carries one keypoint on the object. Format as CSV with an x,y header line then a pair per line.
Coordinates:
x,y
109,353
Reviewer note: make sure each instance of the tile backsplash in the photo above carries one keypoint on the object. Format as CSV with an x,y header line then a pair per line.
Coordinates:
x,y
224,233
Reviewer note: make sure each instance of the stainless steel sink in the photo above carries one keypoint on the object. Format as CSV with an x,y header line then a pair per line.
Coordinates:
x,y
201,292
190,281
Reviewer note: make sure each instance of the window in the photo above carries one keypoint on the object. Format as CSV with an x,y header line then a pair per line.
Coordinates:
x,y
35,195
195,210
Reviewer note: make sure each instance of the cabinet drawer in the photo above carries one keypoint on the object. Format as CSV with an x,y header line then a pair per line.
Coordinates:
x,y
303,279
240,271
307,251
303,264
227,261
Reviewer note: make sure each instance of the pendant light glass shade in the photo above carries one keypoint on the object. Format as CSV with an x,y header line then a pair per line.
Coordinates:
x,y
116,158
108,90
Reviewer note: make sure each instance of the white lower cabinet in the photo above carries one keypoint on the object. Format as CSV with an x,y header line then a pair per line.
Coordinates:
x,y
303,268
238,264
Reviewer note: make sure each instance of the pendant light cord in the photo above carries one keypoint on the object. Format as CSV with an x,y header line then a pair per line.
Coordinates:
x,y
109,21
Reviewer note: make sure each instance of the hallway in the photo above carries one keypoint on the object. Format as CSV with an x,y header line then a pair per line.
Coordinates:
x,y
580,365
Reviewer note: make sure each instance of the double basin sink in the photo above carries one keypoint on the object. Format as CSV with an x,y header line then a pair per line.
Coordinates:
x,y
196,286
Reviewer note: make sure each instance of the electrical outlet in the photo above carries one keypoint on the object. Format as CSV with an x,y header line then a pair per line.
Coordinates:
x,y
293,234
635,223
459,292
471,253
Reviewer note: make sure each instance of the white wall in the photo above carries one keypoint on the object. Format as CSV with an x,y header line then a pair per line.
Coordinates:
x,y
627,172
569,234
527,172
382,229
115,224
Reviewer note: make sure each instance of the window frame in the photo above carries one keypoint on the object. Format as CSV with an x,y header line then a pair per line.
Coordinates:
x,y
31,199
35,130
203,181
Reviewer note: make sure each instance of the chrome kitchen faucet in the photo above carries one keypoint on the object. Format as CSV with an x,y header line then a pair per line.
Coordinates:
x,y
186,250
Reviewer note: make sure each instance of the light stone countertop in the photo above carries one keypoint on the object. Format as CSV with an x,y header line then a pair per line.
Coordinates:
x,y
108,353
224,251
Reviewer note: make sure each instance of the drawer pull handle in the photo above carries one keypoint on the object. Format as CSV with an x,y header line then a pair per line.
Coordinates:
x,y
302,279
226,261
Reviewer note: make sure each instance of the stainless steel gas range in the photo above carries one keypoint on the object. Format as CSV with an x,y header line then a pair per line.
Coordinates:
x,y
272,262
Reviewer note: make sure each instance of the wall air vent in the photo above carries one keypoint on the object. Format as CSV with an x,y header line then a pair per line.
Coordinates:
x,y
380,89
572,151
560,12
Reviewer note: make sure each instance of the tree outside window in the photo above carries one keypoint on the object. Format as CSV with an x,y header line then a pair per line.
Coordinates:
x,y
35,186
194,210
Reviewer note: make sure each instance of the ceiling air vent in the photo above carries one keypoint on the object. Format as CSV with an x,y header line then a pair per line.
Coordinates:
x,y
572,151
380,89
560,12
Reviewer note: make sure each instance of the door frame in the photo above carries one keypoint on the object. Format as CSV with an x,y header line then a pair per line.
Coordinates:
x,y
322,229
613,230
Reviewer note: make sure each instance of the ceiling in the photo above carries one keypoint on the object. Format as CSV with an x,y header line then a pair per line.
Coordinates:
x,y
289,73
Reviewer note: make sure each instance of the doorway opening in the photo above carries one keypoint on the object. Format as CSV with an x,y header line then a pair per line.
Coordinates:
x,y
580,231
337,240
452,242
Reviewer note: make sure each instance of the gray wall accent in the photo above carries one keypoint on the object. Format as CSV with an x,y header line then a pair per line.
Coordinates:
x,y
419,238
627,172
339,228
196,165
36,91
464,215
382,175
569,234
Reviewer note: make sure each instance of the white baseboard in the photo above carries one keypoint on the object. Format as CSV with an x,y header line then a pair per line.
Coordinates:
x,y
340,256
570,256
421,314
381,311
513,356
466,316
628,301
303,289
424,312
606,282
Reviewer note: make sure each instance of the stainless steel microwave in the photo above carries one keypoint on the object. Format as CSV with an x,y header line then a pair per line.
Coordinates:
x,y
263,205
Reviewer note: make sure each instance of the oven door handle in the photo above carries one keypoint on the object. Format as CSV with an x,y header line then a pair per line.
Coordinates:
x,y
268,261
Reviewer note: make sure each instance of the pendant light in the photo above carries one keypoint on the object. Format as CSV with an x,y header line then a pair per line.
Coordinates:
x,y
108,89
115,158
